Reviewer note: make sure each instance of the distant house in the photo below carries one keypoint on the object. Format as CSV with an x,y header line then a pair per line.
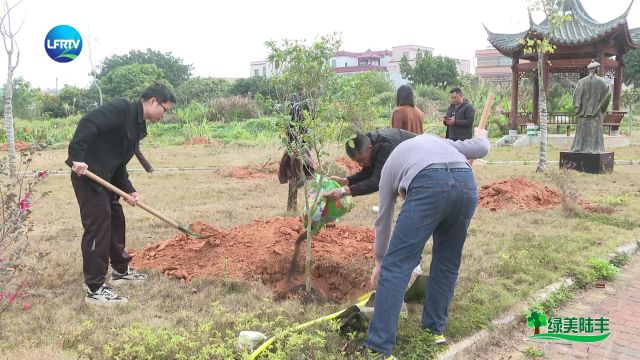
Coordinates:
x,y
261,68
349,63
492,66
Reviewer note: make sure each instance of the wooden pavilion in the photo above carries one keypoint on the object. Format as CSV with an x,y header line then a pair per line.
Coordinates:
x,y
577,42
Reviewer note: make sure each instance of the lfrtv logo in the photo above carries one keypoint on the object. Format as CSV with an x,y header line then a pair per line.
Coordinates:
x,y
63,43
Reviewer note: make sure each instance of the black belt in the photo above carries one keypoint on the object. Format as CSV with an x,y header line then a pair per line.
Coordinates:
x,y
451,165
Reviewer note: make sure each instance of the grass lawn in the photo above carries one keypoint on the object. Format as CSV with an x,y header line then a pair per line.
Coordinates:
x,y
507,257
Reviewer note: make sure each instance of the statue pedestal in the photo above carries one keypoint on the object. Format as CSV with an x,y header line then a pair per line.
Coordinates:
x,y
587,162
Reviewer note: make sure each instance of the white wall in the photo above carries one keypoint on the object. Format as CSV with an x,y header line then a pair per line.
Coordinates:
x,y
385,60
411,50
397,79
263,68
341,60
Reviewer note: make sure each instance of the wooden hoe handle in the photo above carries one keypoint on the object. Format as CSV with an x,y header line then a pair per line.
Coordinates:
x,y
142,205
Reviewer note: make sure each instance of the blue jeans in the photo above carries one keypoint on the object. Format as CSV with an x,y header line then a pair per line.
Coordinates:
x,y
439,202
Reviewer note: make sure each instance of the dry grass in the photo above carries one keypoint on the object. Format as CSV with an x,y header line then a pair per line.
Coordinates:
x,y
507,256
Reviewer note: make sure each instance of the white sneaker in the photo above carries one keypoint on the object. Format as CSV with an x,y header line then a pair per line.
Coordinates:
x,y
129,277
104,296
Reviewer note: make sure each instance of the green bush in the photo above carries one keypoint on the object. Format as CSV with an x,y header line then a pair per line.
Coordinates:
x,y
194,112
603,269
51,131
201,90
431,92
232,109
52,106
498,126
386,101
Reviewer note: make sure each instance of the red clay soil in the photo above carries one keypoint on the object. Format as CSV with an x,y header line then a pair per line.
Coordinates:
x,y
518,193
198,140
20,145
351,166
263,171
263,249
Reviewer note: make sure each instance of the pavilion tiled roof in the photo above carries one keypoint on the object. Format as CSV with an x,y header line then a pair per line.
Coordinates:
x,y
580,29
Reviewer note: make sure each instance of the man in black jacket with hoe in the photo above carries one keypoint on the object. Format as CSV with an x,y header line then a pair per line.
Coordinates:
x,y
459,118
370,151
104,142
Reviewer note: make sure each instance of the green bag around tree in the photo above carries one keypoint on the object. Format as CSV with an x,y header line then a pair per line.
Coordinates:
x,y
326,210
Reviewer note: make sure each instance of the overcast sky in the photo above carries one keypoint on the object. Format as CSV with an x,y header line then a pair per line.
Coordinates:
x,y
221,38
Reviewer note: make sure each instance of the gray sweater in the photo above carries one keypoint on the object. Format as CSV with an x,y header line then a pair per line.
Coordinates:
x,y
405,162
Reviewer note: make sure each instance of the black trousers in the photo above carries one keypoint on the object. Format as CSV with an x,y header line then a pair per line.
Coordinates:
x,y
104,231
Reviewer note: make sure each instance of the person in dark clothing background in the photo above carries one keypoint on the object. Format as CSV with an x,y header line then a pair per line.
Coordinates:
x,y
370,151
459,117
104,142
295,128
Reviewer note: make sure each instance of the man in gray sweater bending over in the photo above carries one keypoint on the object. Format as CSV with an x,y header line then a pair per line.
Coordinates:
x,y
433,176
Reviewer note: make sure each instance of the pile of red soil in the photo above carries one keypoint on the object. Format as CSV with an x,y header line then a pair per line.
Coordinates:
x,y
20,145
518,193
264,171
351,166
522,194
263,249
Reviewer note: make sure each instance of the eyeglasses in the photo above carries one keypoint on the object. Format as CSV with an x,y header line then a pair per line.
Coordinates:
x,y
162,106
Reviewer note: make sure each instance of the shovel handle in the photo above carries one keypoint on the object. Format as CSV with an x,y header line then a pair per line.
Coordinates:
x,y
142,205
486,112
485,116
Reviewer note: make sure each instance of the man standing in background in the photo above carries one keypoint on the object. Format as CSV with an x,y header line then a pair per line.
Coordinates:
x,y
460,116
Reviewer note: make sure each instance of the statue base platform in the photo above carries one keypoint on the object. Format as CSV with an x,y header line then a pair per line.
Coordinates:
x,y
587,162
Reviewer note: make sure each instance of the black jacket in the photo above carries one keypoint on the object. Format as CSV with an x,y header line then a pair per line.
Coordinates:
x,y
367,180
105,139
462,129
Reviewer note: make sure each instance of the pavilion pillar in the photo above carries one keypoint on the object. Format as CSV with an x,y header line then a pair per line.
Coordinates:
x,y
601,69
617,81
515,80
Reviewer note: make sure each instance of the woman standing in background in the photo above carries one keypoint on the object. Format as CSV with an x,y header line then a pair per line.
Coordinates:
x,y
406,115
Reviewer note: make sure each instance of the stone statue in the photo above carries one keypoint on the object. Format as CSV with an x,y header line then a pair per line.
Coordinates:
x,y
591,100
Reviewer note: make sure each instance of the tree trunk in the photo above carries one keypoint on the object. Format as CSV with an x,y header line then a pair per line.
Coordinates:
x,y
542,120
8,123
99,93
307,261
536,331
630,118
292,199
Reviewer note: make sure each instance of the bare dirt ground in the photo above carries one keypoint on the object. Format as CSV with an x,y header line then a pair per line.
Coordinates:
x,y
263,250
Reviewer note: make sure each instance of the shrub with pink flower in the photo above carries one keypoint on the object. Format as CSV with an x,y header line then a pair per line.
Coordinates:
x,y
15,227
25,203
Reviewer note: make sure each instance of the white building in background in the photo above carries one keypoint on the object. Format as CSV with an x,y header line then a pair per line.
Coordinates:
x,y
464,66
349,63
261,68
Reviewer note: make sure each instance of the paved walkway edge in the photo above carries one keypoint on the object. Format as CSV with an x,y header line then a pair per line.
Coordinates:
x,y
511,317
533,162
